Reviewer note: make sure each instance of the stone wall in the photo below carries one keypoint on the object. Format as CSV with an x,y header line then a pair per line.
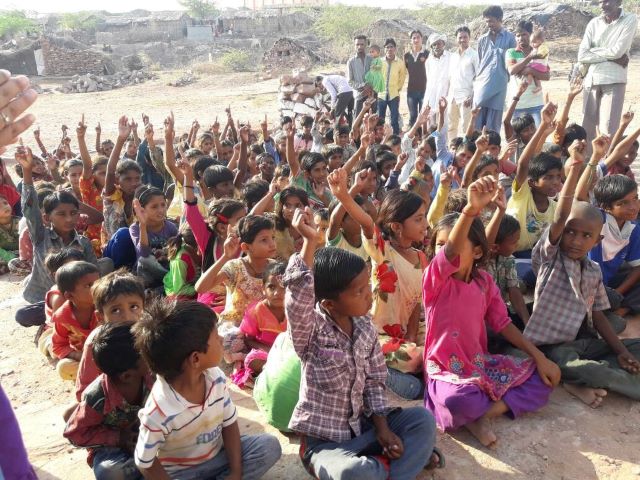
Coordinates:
x,y
67,62
22,62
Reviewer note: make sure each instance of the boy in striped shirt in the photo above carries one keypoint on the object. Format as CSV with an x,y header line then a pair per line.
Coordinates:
x,y
188,427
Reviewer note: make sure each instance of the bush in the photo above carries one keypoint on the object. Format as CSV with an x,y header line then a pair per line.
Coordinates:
x,y
237,60
338,23
446,19
14,22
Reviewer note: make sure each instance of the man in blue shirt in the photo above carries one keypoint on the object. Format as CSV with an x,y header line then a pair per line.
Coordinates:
x,y
490,88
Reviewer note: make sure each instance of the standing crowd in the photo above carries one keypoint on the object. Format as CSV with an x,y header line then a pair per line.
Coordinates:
x,y
323,260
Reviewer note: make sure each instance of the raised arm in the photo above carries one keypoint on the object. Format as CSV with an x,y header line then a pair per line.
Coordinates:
x,y
626,119
98,134
292,155
508,128
359,154
471,128
574,90
242,162
482,145
622,148
123,133
600,145
548,114
169,154
357,123
565,198
213,276
442,110
87,168
36,135
338,185
491,230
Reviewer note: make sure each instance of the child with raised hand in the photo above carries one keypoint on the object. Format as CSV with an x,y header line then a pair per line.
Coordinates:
x,y
569,289
262,323
150,235
184,265
396,270
9,234
76,318
189,427
118,298
347,426
462,388
106,419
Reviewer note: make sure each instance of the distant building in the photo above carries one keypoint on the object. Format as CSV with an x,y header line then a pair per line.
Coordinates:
x,y
262,4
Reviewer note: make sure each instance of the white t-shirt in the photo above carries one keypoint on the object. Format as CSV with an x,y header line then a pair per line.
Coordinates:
x,y
182,434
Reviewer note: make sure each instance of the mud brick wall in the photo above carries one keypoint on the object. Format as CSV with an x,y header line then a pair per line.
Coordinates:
x,y
65,62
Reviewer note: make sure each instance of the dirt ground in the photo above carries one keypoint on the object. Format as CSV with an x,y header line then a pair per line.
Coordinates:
x,y
566,440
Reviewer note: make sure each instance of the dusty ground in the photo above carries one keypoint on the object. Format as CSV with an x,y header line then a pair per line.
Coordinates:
x,y
567,440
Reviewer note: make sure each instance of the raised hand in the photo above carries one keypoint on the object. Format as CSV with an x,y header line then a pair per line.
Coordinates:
x,y
244,134
549,113
575,88
231,246
304,224
481,193
186,168
421,162
264,125
169,127
500,198
141,215
98,129
134,125
446,177
36,132
365,140
82,127
482,142
401,161
124,129
338,183
601,145
148,132
576,151
24,157
524,84
627,117
475,112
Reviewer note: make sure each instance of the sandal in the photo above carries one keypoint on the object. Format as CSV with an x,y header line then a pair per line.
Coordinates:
x,y
438,463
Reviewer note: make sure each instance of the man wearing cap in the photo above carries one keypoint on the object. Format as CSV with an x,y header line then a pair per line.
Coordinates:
x,y
414,62
490,87
437,68
394,74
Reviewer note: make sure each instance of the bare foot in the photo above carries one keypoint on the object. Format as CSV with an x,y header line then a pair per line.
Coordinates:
x,y
481,429
591,396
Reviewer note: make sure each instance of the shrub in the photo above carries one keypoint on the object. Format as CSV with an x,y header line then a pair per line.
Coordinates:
x,y
14,22
237,60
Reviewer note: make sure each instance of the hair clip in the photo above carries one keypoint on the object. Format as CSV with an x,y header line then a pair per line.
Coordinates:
x,y
222,218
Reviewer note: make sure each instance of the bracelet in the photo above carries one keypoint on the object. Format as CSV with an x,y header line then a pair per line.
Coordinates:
x,y
193,203
464,212
594,166
188,186
517,99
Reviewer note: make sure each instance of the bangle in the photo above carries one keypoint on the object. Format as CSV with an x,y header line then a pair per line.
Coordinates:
x,y
188,186
194,202
517,99
466,213
592,165
565,196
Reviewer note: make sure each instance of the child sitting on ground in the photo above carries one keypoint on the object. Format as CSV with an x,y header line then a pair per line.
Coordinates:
x,y
76,318
462,387
106,420
262,322
569,289
184,265
9,234
117,298
189,425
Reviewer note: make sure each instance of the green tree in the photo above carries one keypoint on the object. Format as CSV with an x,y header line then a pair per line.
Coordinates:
x,y
13,22
200,9
337,23
78,21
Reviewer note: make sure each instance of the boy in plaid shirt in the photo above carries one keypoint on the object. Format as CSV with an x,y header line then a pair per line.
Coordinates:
x,y
569,290
346,425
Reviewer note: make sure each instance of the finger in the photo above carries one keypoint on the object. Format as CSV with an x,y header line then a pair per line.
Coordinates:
x,y
12,88
18,105
11,132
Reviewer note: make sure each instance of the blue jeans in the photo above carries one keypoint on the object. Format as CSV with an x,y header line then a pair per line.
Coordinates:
x,y
535,112
394,107
111,463
491,118
259,454
404,385
414,102
356,459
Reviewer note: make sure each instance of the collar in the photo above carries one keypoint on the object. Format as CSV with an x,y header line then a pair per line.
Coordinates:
x,y
114,399
170,403
358,322
53,235
622,15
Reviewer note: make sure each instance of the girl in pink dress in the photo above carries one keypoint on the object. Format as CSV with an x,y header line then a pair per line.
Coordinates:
x,y
467,386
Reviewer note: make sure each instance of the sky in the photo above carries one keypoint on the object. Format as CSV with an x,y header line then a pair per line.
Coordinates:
x,y
47,6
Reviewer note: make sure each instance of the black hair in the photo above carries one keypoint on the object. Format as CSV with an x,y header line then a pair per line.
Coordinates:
x,y
573,132
432,143
343,130
397,206
389,41
318,80
285,119
394,140
360,37
201,164
462,28
508,226
382,158
412,32
144,194
254,191
262,156
250,226
226,143
69,274
552,148
281,223
331,150
220,211
456,201
456,143
55,260
520,123
127,165
257,149
494,11
171,332
333,270
114,284
98,162
484,162
275,268
306,121
310,160
216,174
613,188
525,25
467,145
55,199
184,237
494,138
323,213
114,349
328,135
476,235
541,164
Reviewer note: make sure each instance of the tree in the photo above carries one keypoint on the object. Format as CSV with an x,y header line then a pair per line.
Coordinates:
x,y
13,22
200,9
78,21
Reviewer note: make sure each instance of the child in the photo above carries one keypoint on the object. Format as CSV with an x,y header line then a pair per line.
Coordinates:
x,y
541,62
150,234
569,289
189,425
267,166
9,234
321,219
374,76
61,211
106,419
71,172
118,298
262,322
347,427
464,388
218,181
396,270
184,265
75,319
344,232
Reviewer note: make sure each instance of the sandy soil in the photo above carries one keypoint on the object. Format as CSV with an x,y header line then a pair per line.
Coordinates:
x,y
566,440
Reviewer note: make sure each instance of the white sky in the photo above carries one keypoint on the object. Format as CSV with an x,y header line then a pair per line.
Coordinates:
x,y
46,6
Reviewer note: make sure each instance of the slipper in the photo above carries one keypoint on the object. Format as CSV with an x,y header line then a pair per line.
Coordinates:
x,y
440,463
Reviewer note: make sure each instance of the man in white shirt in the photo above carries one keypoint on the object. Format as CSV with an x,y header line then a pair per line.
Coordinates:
x,y
462,72
342,100
604,51
437,66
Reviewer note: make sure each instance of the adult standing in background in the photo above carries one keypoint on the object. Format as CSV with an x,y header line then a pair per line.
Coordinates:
x,y
604,55
357,68
462,72
437,68
490,87
414,61
394,74
341,97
